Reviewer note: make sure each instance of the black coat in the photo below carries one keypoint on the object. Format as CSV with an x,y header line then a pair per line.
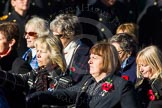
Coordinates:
x,y
13,64
80,60
129,70
156,87
88,94
7,61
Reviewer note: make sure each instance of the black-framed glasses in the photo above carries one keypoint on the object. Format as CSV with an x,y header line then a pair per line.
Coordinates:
x,y
31,34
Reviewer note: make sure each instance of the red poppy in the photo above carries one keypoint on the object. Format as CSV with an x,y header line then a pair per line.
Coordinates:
x,y
52,85
107,86
72,69
125,77
151,95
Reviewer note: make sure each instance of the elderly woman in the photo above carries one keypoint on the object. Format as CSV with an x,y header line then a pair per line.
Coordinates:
x,y
101,89
76,48
149,74
34,28
126,47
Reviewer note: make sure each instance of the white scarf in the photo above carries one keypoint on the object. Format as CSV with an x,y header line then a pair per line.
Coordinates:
x,y
69,51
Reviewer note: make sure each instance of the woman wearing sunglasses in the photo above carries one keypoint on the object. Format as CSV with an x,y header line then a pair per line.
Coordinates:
x,y
76,48
34,28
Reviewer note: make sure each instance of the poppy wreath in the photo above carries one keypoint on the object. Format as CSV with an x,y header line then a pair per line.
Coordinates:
x,y
107,86
152,96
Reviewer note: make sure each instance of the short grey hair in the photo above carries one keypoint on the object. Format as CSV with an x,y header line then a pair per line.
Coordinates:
x,y
68,25
40,26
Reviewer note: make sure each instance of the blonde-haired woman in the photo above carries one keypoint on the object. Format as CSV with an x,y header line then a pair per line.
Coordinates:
x,y
129,28
50,58
149,74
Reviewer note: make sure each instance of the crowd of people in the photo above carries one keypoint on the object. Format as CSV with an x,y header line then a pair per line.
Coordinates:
x,y
78,54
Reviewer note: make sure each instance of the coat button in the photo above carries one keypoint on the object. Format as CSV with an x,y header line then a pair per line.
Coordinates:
x,y
49,3
102,29
100,19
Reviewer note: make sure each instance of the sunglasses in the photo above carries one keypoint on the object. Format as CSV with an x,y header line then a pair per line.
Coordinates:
x,y
59,35
30,33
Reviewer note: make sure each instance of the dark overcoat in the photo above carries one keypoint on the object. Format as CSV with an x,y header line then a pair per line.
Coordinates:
x,y
89,94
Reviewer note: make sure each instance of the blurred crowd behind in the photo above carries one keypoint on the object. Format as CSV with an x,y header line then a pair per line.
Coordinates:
x,y
145,13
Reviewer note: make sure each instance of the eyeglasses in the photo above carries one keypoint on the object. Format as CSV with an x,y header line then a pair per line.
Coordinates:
x,y
31,34
59,36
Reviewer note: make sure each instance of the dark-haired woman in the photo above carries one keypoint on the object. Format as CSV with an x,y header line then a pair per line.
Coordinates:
x,y
126,47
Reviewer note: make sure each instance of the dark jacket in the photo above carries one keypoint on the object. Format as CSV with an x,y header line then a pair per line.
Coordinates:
x,y
80,60
42,79
3,101
7,61
142,90
129,70
16,86
89,94
13,64
14,89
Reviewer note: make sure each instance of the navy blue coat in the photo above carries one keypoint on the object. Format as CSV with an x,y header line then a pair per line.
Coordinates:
x,y
80,60
129,70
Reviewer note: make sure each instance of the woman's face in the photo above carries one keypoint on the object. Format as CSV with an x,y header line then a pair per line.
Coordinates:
x,y
96,65
145,70
43,56
4,44
122,54
22,5
30,36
